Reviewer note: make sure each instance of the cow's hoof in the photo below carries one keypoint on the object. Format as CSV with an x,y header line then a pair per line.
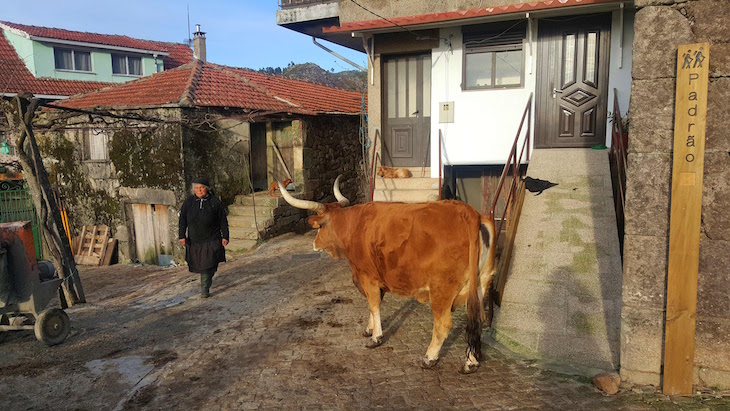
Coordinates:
x,y
427,364
468,368
367,333
375,343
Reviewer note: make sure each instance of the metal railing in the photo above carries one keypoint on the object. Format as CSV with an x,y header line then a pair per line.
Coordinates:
x,y
513,163
513,196
617,158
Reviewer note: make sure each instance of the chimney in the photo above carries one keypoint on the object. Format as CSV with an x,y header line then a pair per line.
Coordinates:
x,y
199,44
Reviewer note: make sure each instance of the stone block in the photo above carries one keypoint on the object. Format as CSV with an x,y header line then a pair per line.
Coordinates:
x,y
717,137
709,20
657,33
710,377
642,333
713,294
716,196
652,112
712,346
647,194
720,60
645,271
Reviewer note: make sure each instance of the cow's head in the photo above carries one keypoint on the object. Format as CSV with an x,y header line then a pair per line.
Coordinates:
x,y
327,239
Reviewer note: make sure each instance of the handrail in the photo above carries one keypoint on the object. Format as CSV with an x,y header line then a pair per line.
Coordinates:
x,y
514,162
376,156
618,158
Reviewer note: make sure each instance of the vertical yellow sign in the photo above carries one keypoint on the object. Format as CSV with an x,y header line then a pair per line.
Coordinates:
x,y
690,116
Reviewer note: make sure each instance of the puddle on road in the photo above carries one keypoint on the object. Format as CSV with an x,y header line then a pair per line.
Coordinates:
x,y
132,368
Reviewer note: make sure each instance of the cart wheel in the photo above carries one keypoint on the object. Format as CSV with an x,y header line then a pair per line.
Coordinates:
x,y
52,326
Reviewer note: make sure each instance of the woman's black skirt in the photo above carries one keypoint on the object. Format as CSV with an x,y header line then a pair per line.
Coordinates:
x,y
204,257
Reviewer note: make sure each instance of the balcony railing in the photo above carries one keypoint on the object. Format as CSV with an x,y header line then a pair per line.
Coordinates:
x,y
287,4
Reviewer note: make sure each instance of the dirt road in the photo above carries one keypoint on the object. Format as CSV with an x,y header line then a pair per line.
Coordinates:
x,y
281,331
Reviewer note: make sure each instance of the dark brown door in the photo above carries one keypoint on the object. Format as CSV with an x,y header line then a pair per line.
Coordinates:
x,y
258,156
572,81
406,110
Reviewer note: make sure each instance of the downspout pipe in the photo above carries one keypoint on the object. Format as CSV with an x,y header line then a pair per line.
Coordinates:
x,y
314,40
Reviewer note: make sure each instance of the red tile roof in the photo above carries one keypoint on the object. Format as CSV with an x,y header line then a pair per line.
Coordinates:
x,y
179,54
202,84
15,77
451,16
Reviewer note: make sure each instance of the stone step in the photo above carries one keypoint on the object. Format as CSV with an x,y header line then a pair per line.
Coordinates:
x,y
247,210
239,244
414,183
406,196
247,221
243,233
263,199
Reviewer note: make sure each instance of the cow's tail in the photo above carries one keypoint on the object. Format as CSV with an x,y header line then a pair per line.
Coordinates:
x,y
475,301
488,265
480,268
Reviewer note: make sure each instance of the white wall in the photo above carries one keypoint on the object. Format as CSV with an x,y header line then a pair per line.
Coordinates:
x,y
485,121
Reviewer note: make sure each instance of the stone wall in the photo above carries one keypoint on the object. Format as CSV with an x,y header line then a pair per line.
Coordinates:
x,y
143,158
218,153
332,147
661,25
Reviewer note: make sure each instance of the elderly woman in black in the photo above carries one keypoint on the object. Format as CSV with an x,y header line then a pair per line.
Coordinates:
x,y
204,219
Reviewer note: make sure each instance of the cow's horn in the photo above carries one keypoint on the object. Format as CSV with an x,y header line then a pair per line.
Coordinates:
x,y
298,203
338,195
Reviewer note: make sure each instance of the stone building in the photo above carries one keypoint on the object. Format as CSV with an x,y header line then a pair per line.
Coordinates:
x,y
125,156
465,70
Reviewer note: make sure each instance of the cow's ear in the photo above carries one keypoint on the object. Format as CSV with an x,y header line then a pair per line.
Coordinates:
x,y
316,221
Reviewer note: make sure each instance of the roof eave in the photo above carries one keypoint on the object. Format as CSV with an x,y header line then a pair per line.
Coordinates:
x,y
43,96
98,46
498,13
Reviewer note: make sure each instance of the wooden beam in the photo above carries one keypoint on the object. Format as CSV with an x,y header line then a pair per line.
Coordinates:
x,y
690,116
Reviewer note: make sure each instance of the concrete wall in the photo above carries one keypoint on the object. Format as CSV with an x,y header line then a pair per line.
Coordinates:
x,y
660,27
396,8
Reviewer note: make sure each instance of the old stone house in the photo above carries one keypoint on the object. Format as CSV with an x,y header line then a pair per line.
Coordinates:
x,y
125,156
468,70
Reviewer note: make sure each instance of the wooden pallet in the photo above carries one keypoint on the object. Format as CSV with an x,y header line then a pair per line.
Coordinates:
x,y
92,245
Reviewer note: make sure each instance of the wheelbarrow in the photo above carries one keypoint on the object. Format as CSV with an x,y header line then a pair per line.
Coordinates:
x,y
27,286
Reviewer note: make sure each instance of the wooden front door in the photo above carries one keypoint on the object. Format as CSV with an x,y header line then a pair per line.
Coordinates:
x,y
572,81
406,110
258,156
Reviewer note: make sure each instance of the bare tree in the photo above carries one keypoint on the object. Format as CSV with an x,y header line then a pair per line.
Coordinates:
x,y
20,114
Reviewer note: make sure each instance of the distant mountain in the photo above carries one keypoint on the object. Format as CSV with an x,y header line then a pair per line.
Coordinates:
x,y
353,80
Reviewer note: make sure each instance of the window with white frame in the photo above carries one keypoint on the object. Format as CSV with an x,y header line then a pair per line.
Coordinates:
x,y
96,145
126,65
70,59
493,56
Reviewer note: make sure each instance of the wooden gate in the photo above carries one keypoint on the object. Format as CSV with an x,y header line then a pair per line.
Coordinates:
x,y
152,233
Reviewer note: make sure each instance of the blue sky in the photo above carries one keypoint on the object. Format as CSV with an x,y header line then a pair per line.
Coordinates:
x,y
238,33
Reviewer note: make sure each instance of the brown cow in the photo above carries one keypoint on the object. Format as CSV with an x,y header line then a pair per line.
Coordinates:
x,y
441,252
